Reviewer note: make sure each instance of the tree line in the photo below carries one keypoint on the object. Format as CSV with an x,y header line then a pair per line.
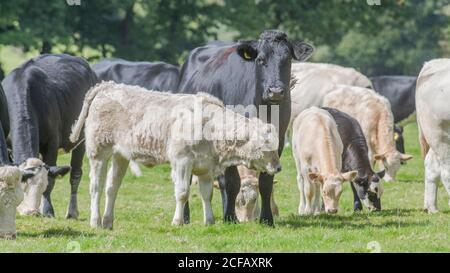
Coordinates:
x,y
395,37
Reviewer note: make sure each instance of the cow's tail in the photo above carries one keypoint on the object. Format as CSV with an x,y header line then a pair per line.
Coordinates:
x,y
424,147
79,123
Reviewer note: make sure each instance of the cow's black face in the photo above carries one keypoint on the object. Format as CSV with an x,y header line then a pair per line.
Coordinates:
x,y
398,137
273,55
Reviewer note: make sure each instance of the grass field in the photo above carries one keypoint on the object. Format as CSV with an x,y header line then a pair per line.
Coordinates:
x,y
145,207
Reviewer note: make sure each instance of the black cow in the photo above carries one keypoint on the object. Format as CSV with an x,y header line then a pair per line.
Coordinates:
x,y
45,96
4,130
153,76
255,72
355,156
401,92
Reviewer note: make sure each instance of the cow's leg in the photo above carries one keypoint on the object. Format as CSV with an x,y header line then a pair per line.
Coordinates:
x,y
229,184
206,189
265,189
49,158
113,181
432,175
301,189
181,175
187,211
97,176
317,198
356,201
76,172
445,177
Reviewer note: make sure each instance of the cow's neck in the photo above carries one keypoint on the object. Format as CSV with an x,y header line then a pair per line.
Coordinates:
x,y
385,135
24,128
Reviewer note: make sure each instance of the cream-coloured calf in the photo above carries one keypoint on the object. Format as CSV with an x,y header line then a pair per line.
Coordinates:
x,y
317,149
433,117
196,134
373,112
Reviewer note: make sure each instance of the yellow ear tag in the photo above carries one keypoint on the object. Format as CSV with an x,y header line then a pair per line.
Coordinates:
x,y
247,56
396,136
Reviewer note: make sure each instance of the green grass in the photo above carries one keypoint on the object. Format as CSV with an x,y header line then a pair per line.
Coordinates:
x,y
145,207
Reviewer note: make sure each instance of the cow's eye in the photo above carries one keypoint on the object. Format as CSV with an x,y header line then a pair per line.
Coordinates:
x,y
247,55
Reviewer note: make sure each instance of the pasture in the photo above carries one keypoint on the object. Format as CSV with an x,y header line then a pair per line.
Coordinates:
x,y
145,207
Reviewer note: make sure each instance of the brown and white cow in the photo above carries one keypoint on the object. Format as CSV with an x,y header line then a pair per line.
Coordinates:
x,y
373,112
317,149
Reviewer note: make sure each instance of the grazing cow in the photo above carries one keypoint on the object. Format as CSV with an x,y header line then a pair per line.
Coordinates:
x,y
11,194
150,75
247,73
44,97
373,113
400,91
247,200
367,187
317,150
133,123
315,80
338,74
433,117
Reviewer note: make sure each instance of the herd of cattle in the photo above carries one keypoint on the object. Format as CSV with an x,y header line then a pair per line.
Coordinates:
x,y
342,126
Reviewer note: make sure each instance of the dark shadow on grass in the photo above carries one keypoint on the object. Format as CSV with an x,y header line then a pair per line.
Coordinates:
x,y
354,221
56,232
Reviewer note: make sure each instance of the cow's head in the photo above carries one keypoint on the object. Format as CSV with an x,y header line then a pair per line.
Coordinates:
x,y
10,197
36,174
391,162
369,189
331,187
273,54
247,199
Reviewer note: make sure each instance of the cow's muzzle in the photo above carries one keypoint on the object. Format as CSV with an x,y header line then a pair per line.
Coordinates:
x,y
275,94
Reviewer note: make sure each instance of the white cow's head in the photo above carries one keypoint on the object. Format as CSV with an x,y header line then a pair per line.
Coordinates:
x,y
391,162
331,187
35,186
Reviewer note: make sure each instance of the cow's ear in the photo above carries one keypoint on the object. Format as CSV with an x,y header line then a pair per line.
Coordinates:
x,y
302,51
57,172
349,176
380,157
405,157
29,173
247,50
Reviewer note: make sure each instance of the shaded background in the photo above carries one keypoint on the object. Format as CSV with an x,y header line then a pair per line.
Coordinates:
x,y
395,37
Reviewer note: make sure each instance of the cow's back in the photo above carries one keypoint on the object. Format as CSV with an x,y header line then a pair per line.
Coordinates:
x,y
56,85
316,139
400,91
150,75
217,69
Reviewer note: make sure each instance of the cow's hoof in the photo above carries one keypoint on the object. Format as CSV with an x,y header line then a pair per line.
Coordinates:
x,y
431,210
8,235
177,222
72,214
95,223
209,222
47,210
107,223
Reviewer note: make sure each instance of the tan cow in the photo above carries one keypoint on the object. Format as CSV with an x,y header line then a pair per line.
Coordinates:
x,y
373,112
247,200
433,117
317,149
196,134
